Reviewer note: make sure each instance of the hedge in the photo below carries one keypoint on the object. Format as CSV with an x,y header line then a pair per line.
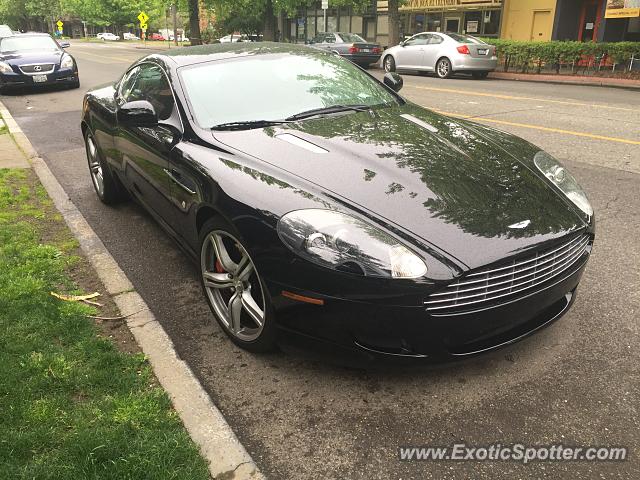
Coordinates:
x,y
526,55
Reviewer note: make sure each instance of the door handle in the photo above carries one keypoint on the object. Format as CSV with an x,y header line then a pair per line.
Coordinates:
x,y
173,175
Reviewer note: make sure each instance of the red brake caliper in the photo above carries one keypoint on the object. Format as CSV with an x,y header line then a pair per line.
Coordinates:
x,y
218,267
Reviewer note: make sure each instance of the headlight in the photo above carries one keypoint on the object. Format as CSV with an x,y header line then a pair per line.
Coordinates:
x,y
67,61
561,178
5,68
342,242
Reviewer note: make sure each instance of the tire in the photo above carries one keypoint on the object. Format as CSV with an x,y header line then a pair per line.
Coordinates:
x,y
75,85
480,75
238,300
389,64
444,68
107,188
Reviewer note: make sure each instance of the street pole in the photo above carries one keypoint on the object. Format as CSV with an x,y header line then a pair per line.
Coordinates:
x,y
174,13
166,27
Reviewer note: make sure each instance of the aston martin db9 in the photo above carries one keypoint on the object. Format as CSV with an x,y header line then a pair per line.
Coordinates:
x,y
323,208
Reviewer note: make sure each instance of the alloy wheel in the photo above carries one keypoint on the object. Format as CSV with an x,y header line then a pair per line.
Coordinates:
x,y
443,68
95,166
388,63
232,285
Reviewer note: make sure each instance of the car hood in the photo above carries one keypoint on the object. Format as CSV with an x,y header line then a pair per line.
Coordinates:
x,y
453,185
22,58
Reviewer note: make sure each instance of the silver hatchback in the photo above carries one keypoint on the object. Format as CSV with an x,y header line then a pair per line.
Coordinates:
x,y
442,53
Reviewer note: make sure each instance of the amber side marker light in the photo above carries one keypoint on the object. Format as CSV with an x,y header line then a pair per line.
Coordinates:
x,y
302,298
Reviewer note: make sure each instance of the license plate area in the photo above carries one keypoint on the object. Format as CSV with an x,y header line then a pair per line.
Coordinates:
x,y
482,51
365,50
39,78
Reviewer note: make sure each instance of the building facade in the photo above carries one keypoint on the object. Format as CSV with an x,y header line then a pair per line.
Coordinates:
x,y
526,20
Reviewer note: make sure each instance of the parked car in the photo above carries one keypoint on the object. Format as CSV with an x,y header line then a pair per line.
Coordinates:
x,y
442,53
156,36
350,46
322,207
130,36
234,38
33,60
108,37
5,31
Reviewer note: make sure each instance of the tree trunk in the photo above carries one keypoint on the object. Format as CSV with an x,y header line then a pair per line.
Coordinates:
x,y
394,23
269,23
194,23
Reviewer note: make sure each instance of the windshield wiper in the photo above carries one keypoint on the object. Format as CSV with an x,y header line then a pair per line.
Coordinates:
x,y
329,110
247,125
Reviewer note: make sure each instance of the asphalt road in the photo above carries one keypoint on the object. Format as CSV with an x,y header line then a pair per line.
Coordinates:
x,y
575,383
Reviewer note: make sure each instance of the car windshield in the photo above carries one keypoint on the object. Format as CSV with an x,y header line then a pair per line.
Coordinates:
x,y
19,43
276,86
351,38
464,38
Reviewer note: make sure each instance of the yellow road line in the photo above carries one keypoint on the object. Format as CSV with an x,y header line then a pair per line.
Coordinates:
x,y
538,127
515,97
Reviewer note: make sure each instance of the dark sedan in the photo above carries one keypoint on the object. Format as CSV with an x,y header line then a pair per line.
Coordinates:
x,y
324,209
34,60
350,46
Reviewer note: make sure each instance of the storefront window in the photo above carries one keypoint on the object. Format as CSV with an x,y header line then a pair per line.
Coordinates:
x,y
434,22
491,19
472,23
356,25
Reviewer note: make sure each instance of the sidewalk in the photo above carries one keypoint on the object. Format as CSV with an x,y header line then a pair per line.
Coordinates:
x,y
568,79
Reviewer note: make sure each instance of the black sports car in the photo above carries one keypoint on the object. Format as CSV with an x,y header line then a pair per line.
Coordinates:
x,y
322,206
34,60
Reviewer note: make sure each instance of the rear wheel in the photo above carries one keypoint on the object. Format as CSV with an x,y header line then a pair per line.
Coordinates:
x,y
106,186
480,75
444,68
389,64
233,288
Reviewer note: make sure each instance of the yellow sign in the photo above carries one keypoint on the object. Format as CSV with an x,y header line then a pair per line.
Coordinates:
x,y
143,17
143,27
622,8
59,24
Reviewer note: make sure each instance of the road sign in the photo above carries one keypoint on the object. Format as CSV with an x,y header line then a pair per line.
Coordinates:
x,y
325,4
143,17
59,24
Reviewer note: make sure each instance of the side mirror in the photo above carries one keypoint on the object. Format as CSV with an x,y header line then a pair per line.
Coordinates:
x,y
402,43
65,44
393,81
139,113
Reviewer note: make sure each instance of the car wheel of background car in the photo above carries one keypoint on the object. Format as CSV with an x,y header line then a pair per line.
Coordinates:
x,y
389,64
443,68
233,288
106,186
480,75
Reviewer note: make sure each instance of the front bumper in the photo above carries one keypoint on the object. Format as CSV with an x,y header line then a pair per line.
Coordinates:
x,y
361,332
57,77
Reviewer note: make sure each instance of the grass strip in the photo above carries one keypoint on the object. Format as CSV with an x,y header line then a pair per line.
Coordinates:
x,y
72,406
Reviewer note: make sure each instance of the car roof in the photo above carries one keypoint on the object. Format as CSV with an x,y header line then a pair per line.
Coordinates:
x,y
226,51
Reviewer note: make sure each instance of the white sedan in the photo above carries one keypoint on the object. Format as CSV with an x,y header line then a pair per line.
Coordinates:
x,y
442,53
107,36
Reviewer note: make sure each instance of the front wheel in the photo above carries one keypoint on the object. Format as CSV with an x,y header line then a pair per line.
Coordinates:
x,y
389,64
480,75
234,290
105,185
444,68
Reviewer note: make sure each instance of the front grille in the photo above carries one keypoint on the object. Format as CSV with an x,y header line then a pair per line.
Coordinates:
x,y
493,286
38,69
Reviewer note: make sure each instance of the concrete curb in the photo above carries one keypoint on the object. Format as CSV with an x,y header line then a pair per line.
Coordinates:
x,y
206,425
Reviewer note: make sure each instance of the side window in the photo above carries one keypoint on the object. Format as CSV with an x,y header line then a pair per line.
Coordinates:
x,y
126,84
152,85
435,39
330,38
422,39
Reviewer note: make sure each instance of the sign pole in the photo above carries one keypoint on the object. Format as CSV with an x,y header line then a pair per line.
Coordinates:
x,y
325,6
